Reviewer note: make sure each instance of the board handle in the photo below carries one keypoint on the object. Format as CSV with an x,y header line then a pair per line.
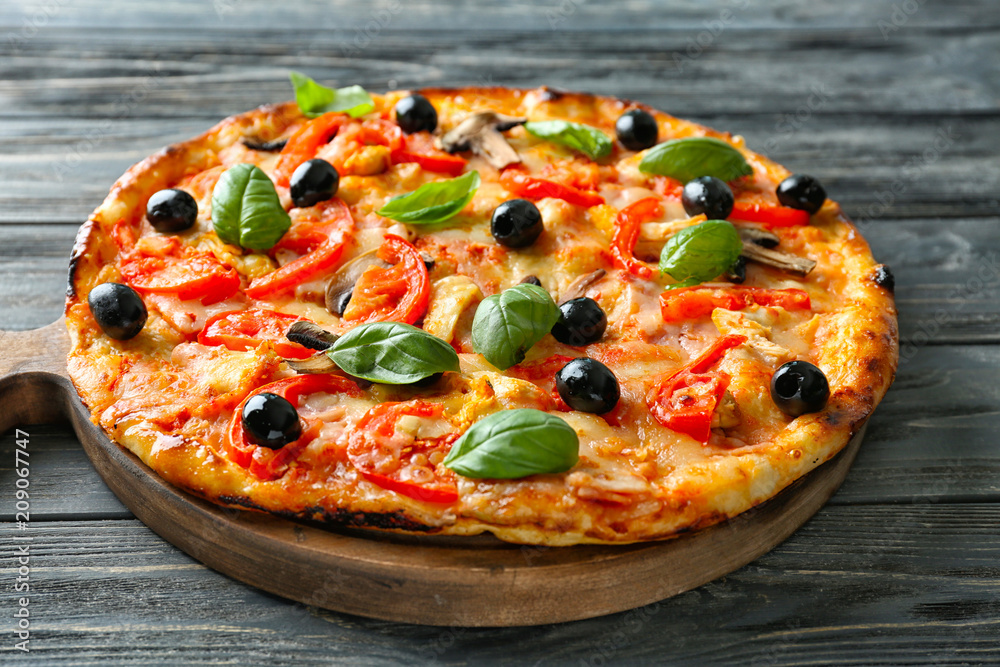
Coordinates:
x,y
34,383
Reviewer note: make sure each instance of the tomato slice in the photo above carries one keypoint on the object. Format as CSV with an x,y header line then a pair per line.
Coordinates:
x,y
399,463
520,184
305,142
627,226
398,293
269,464
182,272
419,148
692,303
685,399
245,329
769,215
322,239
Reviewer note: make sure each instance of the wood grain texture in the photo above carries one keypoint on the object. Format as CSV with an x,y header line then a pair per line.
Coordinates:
x,y
913,584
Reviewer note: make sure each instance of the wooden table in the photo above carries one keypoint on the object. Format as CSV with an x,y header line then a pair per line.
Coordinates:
x,y
892,104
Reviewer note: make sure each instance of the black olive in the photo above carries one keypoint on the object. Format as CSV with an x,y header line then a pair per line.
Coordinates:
x,y
427,260
516,223
265,146
588,385
270,421
737,273
708,195
415,114
801,192
530,280
171,210
313,181
637,130
799,387
884,278
582,321
118,309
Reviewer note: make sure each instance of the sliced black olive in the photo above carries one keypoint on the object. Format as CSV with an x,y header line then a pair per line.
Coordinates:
x,y
802,192
737,273
266,146
799,387
530,280
313,181
171,210
708,195
588,385
415,114
516,223
270,421
637,130
582,321
118,310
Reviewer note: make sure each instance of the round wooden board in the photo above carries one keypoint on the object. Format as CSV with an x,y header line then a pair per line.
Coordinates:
x,y
477,581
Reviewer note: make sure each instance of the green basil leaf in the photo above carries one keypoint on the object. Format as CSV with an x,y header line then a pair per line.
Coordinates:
x,y
687,159
513,444
246,210
506,325
392,353
315,99
702,252
584,138
432,202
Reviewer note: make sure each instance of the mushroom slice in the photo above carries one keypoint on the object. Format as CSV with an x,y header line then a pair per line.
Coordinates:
x,y
316,364
779,260
341,285
481,133
578,287
310,335
759,236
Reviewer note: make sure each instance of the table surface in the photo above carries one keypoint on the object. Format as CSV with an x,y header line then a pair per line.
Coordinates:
x,y
893,104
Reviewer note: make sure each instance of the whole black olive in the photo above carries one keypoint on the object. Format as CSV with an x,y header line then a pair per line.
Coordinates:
x,y
708,195
516,223
171,210
270,421
799,387
118,309
581,321
801,192
313,181
588,385
637,130
415,114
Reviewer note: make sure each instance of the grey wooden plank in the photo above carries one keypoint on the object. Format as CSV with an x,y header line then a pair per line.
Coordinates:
x,y
194,69
861,585
343,16
933,439
58,170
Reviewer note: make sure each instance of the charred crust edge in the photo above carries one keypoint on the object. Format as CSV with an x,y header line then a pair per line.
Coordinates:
x,y
884,278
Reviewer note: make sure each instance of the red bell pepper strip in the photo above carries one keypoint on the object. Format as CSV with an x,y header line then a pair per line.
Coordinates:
x,y
419,148
302,145
769,215
627,226
692,303
380,457
323,242
520,184
269,464
398,293
245,329
685,399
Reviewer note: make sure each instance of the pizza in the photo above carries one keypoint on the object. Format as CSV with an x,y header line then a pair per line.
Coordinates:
x,y
556,317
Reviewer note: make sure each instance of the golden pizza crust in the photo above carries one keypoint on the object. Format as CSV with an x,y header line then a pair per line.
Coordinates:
x,y
634,483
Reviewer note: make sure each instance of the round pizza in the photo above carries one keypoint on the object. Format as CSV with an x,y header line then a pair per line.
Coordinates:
x,y
556,317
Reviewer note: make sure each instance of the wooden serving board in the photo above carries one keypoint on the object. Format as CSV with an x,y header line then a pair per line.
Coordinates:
x,y
478,581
